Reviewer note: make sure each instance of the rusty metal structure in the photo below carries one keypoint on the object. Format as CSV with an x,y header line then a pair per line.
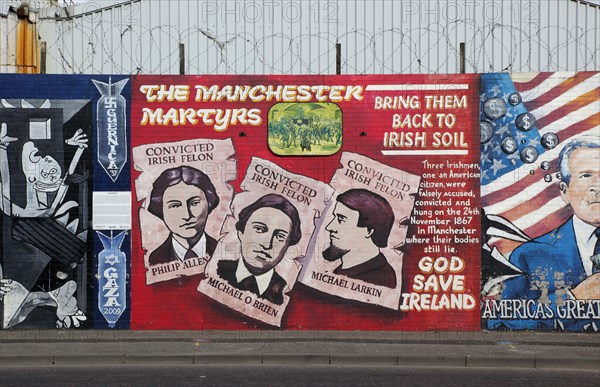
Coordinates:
x,y
22,47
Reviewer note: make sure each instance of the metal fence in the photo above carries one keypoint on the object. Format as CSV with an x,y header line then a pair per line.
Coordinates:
x,y
300,37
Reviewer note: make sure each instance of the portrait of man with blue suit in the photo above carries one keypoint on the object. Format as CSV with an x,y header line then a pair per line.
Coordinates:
x,y
564,263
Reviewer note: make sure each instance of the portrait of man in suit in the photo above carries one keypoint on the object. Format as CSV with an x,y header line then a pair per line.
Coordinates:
x,y
361,224
266,229
564,263
183,197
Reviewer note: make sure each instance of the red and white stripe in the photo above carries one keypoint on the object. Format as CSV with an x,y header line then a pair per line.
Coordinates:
x,y
567,104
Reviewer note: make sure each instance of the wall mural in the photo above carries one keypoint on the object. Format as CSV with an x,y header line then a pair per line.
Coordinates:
x,y
313,202
540,190
46,211
347,202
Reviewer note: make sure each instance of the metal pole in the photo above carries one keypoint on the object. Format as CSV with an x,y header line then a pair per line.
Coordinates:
x,y
338,58
462,58
181,58
43,58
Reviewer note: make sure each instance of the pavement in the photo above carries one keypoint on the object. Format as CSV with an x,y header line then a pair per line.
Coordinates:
x,y
446,349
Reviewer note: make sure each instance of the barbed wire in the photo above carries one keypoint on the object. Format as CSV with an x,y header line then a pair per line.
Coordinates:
x,y
155,49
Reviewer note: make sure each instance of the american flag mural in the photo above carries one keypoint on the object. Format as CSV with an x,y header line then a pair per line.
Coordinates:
x,y
525,122
534,255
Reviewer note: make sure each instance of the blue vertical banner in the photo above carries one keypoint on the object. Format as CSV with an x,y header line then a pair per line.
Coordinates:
x,y
112,242
112,280
111,121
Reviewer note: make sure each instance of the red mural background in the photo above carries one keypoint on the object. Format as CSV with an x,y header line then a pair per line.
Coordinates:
x,y
176,304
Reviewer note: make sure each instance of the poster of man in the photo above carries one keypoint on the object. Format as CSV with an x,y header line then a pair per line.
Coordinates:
x,y
185,195
268,229
356,255
365,216
561,267
541,212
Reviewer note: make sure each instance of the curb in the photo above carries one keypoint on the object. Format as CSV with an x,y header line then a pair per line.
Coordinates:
x,y
368,337
303,359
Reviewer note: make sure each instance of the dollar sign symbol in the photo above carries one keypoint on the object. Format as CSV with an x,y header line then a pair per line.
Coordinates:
x,y
526,124
529,155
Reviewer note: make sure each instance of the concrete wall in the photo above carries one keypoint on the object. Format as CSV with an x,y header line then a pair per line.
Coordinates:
x,y
380,202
